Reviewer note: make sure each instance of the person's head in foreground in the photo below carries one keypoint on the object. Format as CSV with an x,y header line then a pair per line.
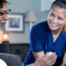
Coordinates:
x,y
4,10
3,63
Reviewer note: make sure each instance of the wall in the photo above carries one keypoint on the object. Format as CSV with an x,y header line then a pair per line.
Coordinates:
x,y
22,6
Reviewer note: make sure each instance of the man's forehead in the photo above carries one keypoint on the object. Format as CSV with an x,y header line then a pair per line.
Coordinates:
x,y
4,8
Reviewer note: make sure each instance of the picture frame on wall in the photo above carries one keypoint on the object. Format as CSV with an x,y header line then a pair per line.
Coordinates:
x,y
14,23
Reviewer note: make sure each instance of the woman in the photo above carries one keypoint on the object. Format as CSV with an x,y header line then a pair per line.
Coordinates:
x,y
50,37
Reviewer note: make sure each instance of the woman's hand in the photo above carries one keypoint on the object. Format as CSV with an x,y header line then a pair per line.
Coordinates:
x,y
47,60
51,58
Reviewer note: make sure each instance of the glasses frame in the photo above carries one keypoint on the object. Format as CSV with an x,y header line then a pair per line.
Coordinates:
x,y
3,13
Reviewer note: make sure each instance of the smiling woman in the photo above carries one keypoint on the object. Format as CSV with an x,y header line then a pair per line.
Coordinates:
x,y
48,37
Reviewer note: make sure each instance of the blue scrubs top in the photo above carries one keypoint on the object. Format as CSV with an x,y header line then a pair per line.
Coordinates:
x,y
41,39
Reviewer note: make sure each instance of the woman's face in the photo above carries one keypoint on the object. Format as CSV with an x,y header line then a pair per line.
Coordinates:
x,y
56,18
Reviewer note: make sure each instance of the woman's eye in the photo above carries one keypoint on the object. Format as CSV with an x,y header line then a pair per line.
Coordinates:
x,y
52,14
60,18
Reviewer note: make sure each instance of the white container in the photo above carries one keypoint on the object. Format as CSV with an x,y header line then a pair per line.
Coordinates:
x,y
2,63
50,53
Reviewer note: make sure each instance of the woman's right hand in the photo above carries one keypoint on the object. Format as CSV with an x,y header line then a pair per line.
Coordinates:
x,y
46,60
51,59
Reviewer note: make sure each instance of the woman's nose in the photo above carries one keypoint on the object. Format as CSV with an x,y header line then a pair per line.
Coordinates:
x,y
55,20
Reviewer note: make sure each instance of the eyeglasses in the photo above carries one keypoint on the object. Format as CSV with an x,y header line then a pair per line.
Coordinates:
x,y
5,12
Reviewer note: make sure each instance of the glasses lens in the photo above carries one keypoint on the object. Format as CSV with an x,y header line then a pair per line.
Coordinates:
x,y
1,13
5,12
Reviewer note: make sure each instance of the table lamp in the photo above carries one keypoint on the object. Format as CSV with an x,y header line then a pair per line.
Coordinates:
x,y
1,37
5,38
30,17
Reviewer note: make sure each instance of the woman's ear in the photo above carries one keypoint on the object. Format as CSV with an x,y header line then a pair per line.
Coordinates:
x,y
64,29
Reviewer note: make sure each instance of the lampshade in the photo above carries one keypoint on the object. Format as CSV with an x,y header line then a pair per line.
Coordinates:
x,y
1,37
5,36
30,16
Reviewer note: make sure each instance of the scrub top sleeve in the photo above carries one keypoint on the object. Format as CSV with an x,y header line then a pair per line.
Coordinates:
x,y
35,42
65,43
